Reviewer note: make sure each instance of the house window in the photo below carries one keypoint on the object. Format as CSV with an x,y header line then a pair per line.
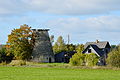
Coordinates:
x,y
89,50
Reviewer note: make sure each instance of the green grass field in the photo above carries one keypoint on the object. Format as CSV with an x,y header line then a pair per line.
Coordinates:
x,y
40,73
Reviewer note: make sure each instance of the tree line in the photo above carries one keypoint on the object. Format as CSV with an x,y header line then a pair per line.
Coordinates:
x,y
21,42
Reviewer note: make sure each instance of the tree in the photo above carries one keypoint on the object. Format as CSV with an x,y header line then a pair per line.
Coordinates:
x,y
19,42
78,58
70,47
91,59
114,57
59,46
52,39
113,47
80,48
2,55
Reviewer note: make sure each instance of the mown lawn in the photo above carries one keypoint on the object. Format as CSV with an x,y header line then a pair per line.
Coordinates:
x,y
37,73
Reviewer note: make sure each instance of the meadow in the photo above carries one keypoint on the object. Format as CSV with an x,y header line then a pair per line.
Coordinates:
x,y
56,73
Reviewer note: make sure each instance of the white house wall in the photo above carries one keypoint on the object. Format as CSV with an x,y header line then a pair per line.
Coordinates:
x,y
92,51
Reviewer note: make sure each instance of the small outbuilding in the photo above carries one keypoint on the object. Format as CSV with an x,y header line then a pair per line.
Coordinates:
x,y
64,57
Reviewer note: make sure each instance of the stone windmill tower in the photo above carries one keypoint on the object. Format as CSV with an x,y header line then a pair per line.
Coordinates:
x,y
42,51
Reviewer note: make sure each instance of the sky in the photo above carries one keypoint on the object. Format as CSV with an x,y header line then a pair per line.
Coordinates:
x,y
83,20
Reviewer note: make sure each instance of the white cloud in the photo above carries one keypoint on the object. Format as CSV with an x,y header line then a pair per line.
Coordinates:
x,y
74,7
102,27
12,7
92,24
67,7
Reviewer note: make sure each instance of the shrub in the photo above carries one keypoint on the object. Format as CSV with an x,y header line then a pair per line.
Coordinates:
x,y
78,59
4,57
114,58
3,63
17,63
91,59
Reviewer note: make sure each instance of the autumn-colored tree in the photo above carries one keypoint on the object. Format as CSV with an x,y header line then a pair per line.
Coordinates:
x,y
19,42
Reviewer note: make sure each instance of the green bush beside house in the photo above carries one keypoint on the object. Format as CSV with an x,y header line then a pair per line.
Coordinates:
x,y
113,59
80,59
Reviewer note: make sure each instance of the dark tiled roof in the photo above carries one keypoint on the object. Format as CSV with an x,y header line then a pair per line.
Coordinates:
x,y
99,52
61,54
40,29
101,44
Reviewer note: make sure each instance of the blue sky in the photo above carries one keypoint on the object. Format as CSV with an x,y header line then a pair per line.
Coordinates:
x,y
83,20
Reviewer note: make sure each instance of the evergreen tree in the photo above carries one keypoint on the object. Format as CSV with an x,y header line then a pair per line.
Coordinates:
x,y
59,46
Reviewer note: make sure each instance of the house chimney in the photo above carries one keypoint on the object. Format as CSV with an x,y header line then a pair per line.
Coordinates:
x,y
97,41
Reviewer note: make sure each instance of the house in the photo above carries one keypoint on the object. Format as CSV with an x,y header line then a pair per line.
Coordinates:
x,y
64,57
100,48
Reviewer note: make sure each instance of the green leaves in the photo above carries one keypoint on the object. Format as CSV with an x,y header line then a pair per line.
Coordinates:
x,y
19,42
91,59
80,48
59,46
80,59
114,58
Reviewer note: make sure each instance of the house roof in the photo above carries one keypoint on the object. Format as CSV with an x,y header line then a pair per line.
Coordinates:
x,y
99,52
62,54
101,44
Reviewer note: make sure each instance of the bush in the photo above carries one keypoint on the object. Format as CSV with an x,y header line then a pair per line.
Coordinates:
x,y
4,57
78,59
17,63
3,63
91,59
114,58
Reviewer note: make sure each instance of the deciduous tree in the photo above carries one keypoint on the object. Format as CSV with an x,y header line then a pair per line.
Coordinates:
x,y
80,48
114,57
19,42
